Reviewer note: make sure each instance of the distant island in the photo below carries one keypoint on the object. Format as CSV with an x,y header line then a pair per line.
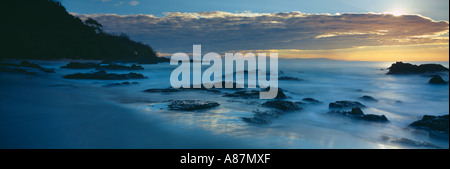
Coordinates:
x,y
44,30
408,68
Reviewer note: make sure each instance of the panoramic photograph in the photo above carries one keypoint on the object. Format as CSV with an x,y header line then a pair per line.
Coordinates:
x,y
237,74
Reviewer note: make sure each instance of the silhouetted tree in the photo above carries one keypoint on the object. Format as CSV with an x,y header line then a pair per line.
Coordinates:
x,y
94,24
43,29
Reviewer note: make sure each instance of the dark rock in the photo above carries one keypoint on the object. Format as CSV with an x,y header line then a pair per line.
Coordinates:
x,y
289,78
121,67
78,65
282,105
358,114
161,90
359,90
16,70
9,67
368,98
262,117
120,84
247,94
311,100
34,65
408,142
200,89
436,79
102,75
374,118
413,143
224,83
253,94
281,94
9,64
345,105
190,105
91,65
300,103
407,68
29,64
435,125
47,70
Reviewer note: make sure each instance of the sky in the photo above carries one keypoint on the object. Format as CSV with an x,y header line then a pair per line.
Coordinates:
x,y
367,30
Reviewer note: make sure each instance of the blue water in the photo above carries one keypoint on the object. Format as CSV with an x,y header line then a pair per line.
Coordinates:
x,y
324,80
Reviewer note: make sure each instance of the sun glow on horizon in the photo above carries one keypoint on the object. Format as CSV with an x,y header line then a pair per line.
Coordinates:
x,y
397,12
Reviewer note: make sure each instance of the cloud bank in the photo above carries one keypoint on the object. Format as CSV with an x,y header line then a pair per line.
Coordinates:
x,y
223,31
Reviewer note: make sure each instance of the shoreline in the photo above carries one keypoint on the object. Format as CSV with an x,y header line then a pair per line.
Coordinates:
x,y
68,117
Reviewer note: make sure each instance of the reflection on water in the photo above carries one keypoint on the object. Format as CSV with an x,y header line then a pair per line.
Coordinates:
x,y
402,99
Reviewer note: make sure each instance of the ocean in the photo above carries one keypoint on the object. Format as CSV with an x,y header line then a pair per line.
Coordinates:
x,y
48,111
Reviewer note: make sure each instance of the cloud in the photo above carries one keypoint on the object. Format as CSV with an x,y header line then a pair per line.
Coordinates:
x,y
223,31
133,3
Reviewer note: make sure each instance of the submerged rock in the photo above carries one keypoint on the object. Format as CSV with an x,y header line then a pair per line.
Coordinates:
x,y
15,70
407,68
368,98
120,84
311,100
374,118
262,117
29,64
357,113
121,67
167,90
224,83
253,94
190,105
9,67
345,105
91,65
435,125
282,105
436,79
79,65
102,75
289,78
247,94
408,142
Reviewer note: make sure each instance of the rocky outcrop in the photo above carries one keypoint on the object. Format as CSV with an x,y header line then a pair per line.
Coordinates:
x,y
357,113
262,117
79,65
91,65
436,79
345,105
9,67
435,125
368,98
312,101
408,142
407,68
166,90
102,75
120,84
289,78
191,105
282,105
253,94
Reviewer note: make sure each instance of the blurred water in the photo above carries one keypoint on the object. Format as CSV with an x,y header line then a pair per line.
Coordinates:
x,y
402,98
